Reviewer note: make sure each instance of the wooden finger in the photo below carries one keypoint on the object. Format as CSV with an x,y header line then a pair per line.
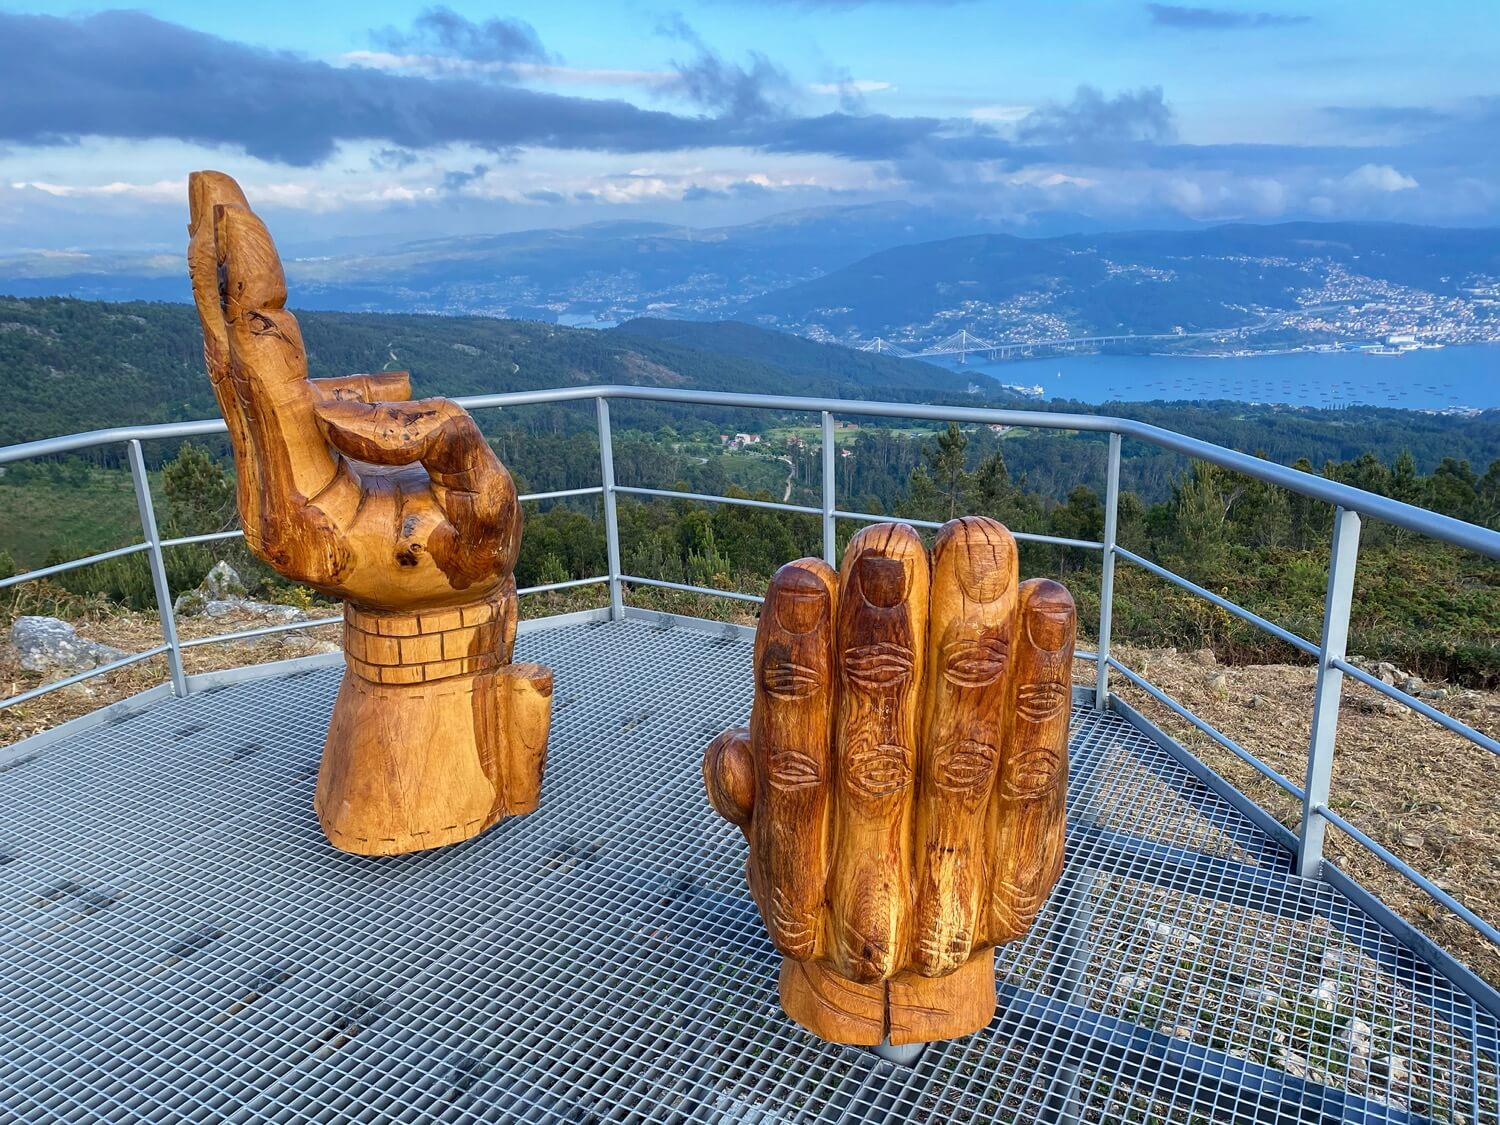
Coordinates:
x,y
473,489
791,735
524,695
382,386
882,622
974,579
205,190
269,363
1029,806
729,776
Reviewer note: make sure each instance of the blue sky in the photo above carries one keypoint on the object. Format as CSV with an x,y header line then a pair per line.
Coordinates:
x,y
392,120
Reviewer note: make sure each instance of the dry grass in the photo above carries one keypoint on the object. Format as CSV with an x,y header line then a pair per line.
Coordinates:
x,y
1422,792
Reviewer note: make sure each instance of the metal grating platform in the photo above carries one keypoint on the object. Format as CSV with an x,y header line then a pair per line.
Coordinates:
x,y
181,944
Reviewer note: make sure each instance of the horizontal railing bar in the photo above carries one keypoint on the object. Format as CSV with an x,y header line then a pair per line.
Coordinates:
x,y
1457,726
86,674
1470,536
58,568
868,517
743,502
1213,732
636,580
264,631
559,493
210,537
563,585
1390,859
1223,603
1057,541
1024,536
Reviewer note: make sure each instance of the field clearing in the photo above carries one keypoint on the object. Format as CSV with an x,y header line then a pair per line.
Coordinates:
x,y
100,515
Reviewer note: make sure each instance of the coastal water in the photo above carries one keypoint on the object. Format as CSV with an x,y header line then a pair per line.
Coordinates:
x,y
1454,377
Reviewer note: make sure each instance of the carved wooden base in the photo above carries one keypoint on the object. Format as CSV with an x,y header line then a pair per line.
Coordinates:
x,y
435,736
908,1008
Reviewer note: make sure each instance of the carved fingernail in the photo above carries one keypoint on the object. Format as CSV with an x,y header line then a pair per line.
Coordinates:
x,y
801,600
1049,617
981,561
882,581
1048,627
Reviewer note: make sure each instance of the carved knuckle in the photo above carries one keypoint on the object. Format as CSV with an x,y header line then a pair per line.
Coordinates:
x,y
964,767
879,666
975,659
1042,700
879,772
786,678
793,770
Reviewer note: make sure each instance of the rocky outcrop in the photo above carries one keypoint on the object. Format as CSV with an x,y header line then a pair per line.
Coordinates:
x,y
45,642
222,594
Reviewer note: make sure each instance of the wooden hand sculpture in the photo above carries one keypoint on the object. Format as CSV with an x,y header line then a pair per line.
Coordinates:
x,y
400,509
903,779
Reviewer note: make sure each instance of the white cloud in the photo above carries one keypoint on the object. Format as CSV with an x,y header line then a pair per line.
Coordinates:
x,y
853,86
160,191
544,73
1378,177
1001,114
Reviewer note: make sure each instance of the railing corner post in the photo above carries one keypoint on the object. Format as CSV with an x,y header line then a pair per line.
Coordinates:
x,y
1107,571
1343,558
830,479
611,516
163,591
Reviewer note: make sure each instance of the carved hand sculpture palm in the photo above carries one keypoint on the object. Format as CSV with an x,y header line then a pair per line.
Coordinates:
x,y
401,509
903,778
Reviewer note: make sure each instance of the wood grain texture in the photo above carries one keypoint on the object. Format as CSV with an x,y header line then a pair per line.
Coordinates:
x,y
400,509
882,624
902,782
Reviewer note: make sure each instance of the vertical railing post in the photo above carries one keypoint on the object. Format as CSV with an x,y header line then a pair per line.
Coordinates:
x,y
147,512
1107,572
611,517
1342,560
830,493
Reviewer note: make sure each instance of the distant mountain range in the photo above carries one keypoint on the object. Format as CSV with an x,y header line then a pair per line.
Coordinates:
x,y
1135,282
606,268
909,273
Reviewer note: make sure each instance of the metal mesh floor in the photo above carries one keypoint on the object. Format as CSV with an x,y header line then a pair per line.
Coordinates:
x,y
181,944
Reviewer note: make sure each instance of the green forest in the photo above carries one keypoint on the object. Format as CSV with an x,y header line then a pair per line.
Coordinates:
x,y
1421,604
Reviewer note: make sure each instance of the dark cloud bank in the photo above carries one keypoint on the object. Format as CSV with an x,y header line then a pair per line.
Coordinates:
x,y
129,75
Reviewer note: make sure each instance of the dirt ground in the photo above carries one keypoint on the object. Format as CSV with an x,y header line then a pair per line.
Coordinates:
x,y
1424,793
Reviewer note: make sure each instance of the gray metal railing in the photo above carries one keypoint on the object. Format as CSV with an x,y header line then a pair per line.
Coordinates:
x,y
1351,505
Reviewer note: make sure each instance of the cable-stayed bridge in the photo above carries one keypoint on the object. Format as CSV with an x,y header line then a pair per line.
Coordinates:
x,y
963,343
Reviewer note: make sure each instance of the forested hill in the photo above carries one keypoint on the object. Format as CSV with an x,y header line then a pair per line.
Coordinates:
x,y
70,365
